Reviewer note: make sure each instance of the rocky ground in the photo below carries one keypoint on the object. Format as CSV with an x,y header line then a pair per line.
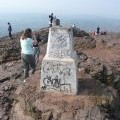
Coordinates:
x,y
98,79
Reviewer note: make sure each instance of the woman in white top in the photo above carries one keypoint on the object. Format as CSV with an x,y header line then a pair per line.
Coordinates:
x,y
27,56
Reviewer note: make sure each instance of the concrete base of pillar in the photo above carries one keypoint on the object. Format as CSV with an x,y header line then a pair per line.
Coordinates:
x,y
58,75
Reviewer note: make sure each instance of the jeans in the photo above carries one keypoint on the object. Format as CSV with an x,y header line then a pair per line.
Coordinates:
x,y
28,62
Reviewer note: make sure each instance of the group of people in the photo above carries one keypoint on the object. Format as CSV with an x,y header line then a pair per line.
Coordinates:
x,y
98,32
51,18
29,52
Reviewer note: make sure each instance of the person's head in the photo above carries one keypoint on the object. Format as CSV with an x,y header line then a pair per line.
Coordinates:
x,y
8,23
27,33
51,13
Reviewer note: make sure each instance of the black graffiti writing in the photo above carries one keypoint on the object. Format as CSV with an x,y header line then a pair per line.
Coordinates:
x,y
55,83
56,67
60,54
59,42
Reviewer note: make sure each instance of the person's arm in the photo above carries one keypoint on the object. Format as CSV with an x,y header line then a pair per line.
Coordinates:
x,y
35,42
33,37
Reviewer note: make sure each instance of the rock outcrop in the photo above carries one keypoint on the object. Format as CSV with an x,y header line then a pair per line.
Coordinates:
x,y
98,83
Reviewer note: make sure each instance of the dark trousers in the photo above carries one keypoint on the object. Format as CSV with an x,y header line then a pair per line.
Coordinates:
x,y
10,35
28,63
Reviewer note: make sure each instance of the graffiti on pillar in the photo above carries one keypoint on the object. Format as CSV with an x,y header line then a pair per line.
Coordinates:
x,y
55,83
59,41
60,46
52,67
57,74
60,54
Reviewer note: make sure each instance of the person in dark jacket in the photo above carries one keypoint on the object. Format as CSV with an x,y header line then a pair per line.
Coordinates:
x,y
98,30
51,19
9,30
36,48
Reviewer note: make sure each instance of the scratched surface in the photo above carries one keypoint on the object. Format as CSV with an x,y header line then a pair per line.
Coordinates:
x,y
58,76
60,43
58,72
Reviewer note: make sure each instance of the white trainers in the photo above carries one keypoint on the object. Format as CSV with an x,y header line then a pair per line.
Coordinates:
x,y
25,80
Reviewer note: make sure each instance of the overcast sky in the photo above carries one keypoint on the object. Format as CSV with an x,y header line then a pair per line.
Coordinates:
x,y
104,8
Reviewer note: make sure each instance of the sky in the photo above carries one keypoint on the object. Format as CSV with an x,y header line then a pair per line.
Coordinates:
x,y
104,8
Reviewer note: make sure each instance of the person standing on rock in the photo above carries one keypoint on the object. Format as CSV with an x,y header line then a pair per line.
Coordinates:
x,y
51,20
36,47
98,30
9,30
27,55
74,27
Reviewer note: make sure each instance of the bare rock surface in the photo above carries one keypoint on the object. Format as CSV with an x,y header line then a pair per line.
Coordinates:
x,y
88,104
99,83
